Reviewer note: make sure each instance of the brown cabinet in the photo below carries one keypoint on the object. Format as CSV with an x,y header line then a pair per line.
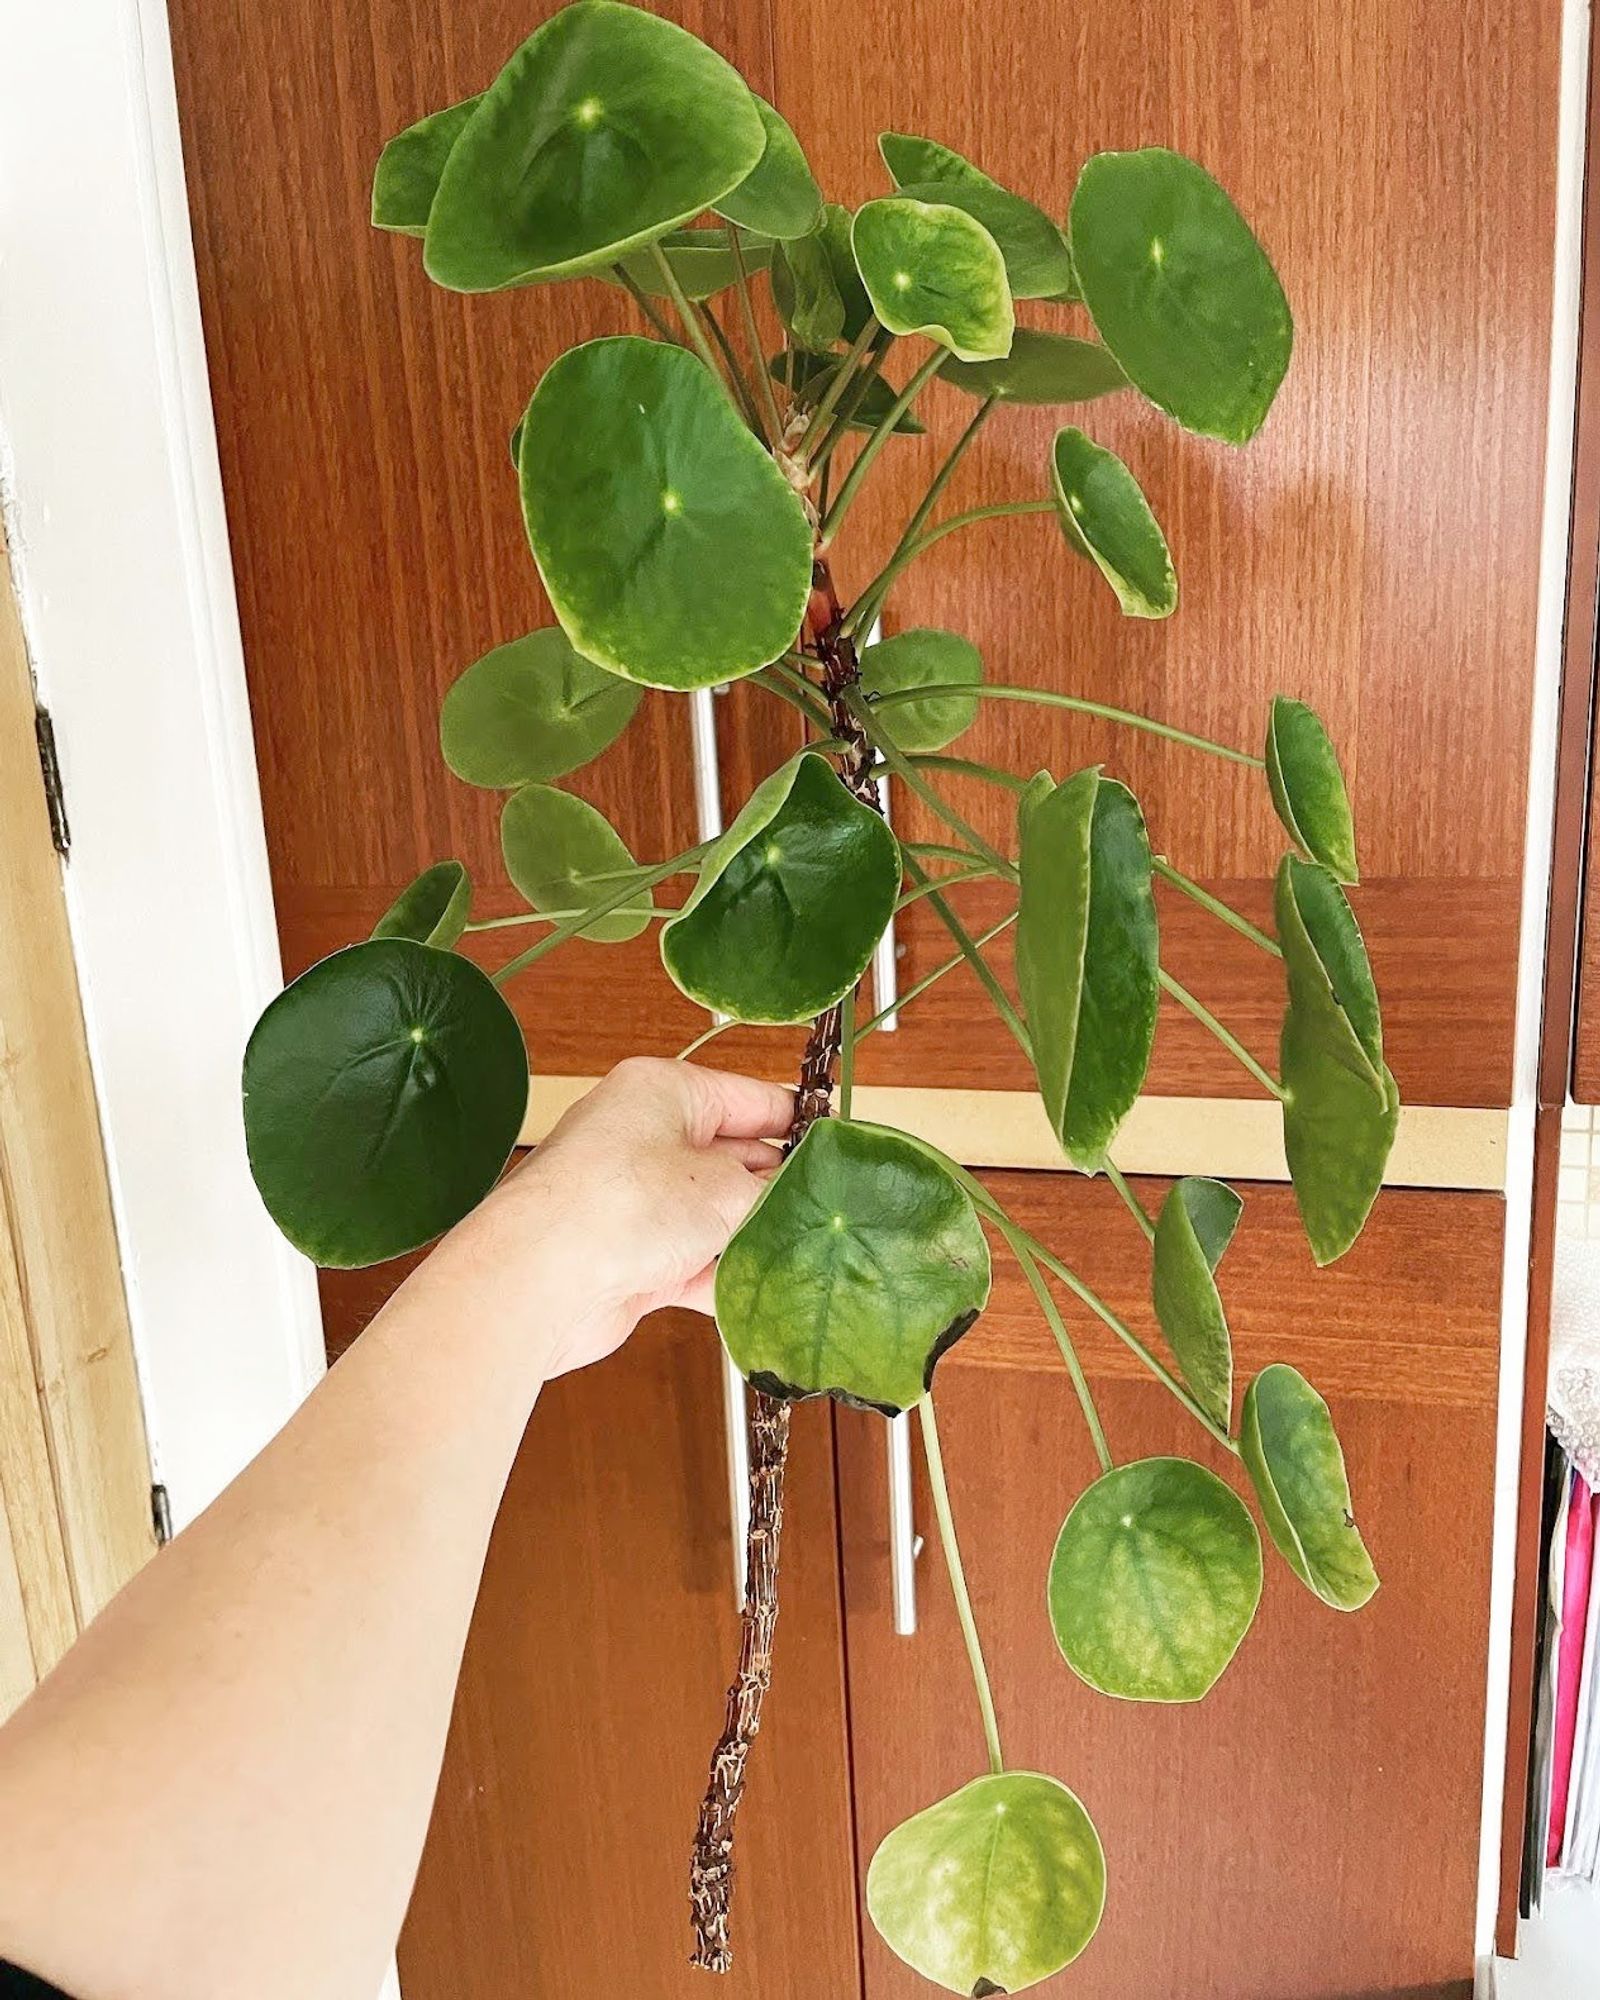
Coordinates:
x,y
1311,1831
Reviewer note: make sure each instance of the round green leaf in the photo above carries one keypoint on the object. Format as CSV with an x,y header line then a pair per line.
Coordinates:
x,y
992,1889
1087,955
779,196
1292,1454
1180,290
923,658
433,910
563,855
533,708
862,1263
805,292
1308,790
672,548
1196,1225
1154,1582
790,902
1041,368
1341,1106
607,128
702,261
383,1092
930,269
408,170
812,374
1105,517
1038,263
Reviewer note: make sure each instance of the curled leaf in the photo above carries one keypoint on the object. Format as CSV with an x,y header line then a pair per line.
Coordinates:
x,y
1308,789
432,910
1105,517
1295,1462
1196,1225
1087,954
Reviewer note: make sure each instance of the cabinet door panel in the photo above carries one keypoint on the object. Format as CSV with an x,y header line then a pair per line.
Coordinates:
x,y
1310,1830
592,1692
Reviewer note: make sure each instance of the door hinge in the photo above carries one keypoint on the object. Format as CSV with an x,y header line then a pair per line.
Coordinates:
x,y
44,731
161,1515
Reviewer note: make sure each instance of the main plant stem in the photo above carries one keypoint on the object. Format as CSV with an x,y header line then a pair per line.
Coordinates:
x,y
711,1865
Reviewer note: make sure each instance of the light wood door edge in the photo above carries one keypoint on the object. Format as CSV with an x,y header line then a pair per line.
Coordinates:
x,y
1439,1146
74,1466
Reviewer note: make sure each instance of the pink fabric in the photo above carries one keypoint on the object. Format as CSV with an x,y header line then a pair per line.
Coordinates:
x,y
1569,1659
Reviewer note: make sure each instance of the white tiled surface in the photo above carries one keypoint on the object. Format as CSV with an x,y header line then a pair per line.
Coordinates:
x,y
1578,1175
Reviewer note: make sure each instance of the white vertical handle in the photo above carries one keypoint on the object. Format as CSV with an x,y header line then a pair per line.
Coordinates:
x,y
735,1409
885,963
903,1543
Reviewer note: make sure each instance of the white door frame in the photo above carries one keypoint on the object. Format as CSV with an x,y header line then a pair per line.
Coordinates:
x,y
113,503
120,551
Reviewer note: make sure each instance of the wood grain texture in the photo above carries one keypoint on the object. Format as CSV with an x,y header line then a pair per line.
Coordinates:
x,y
1375,550
1309,1831
73,1460
592,1689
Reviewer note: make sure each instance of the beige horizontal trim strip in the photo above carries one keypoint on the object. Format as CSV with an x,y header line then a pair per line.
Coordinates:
x,y
1439,1146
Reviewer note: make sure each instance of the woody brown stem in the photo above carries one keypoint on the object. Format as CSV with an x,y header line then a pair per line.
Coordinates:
x,y
711,1866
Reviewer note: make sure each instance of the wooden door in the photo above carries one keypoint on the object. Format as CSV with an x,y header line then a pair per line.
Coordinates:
x,y
1375,551
1310,1830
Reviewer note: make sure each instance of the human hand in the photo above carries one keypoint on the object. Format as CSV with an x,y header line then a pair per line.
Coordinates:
x,y
627,1205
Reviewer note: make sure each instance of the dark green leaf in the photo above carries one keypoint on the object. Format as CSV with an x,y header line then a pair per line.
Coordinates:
x,y
1105,517
994,1888
563,855
383,1092
806,293
1154,1582
813,372
930,269
1041,368
910,159
433,910
407,176
673,549
532,709
1197,1222
607,128
862,1263
702,261
923,658
1087,952
1180,290
1308,788
1292,1453
1341,1106
790,902
779,196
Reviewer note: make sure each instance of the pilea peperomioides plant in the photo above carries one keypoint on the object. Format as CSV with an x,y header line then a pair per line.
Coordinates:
x,y
684,491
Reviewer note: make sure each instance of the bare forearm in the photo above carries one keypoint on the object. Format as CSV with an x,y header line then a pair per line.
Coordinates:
x,y
315,1614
